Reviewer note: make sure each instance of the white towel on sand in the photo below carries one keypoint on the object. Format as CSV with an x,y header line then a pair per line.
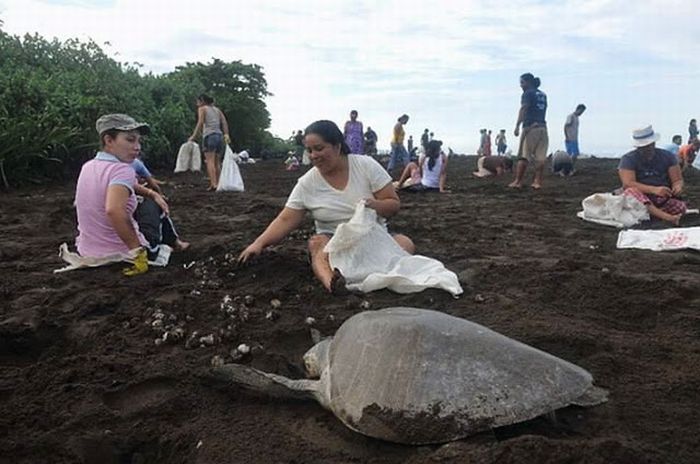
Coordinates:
x,y
678,238
75,261
370,259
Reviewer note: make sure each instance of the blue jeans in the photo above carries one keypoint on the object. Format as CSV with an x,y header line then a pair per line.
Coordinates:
x,y
572,148
398,154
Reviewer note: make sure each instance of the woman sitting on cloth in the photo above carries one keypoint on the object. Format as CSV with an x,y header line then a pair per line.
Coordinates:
x,y
653,177
331,191
429,174
109,221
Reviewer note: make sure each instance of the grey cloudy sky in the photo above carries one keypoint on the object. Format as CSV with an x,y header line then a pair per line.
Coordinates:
x,y
453,66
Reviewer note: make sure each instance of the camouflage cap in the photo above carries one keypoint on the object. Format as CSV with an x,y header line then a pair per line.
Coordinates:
x,y
122,122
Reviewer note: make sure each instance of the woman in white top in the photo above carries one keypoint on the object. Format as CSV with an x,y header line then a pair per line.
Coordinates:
x,y
429,174
212,123
330,191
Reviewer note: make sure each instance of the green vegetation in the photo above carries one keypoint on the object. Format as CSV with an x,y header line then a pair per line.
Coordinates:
x,y
51,93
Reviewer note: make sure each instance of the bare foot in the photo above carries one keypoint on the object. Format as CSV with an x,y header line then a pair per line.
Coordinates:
x,y
181,245
338,287
536,186
515,184
211,188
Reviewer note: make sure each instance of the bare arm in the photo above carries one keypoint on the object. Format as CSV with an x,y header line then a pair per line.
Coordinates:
x,y
224,123
285,222
153,195
676,178
385,202
629,180
115,207
200,124
521,117
443,174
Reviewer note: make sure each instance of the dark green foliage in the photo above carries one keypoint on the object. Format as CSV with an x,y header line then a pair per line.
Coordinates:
x,y
51,93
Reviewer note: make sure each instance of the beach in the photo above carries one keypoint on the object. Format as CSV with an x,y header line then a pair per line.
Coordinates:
x,y
83,379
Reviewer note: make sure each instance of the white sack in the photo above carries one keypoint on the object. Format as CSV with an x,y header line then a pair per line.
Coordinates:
x,y
305,160
188,158
75,261
613,210
678,238
370,259
230,179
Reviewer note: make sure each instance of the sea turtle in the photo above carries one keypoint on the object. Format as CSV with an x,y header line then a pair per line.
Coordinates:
x,y
419,376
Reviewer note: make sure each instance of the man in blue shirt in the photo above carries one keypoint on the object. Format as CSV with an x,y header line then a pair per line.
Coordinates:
x,y
535,140
675,144
652,176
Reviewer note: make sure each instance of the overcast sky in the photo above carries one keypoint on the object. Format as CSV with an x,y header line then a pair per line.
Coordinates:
x,y
453,66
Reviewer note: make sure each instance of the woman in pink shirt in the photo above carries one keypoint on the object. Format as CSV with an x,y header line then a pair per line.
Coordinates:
x,y
105,200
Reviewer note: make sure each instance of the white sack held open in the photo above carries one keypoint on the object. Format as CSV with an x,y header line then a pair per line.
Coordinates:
x,y
189,158
370,259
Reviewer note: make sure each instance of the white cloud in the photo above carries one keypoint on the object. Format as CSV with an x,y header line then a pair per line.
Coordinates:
x,y
452,65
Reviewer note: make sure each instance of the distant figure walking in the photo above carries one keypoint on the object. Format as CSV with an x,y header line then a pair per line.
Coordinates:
x,y
424,139
571,132
398,151
354,134
212,123
501,144
370,142
692,131
535,140
487,144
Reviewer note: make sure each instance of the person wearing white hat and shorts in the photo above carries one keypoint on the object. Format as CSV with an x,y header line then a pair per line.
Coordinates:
x,y
652,176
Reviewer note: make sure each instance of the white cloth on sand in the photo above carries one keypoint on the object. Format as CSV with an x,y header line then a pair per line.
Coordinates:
x,y
370,259
75,261
189,158
230,178
677,238
613,210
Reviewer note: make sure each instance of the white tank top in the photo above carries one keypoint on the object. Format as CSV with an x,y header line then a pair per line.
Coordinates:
x,y
431,178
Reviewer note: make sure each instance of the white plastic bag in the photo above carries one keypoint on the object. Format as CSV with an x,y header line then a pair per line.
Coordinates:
x,y
678,238
370,259
230,179
613,210
188,158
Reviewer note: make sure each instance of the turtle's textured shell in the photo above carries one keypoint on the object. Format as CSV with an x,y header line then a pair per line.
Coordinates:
x,y
418,376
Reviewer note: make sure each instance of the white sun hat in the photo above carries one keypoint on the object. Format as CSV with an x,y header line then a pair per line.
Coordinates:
x,y
644,136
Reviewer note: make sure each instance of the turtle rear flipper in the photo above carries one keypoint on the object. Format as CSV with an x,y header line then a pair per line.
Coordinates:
x,y
270,384
592,397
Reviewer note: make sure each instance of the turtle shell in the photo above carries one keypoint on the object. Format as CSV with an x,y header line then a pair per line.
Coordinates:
x,y
418,376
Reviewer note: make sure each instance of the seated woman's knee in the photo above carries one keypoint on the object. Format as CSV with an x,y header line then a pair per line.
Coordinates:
x,y
405,243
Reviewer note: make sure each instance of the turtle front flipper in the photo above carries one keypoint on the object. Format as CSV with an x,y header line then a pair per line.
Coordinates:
x,y
270,384
591,397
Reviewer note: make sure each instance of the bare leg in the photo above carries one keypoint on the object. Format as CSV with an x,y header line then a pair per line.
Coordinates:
x,y
519,174
539,171
211,160
407,173
663,215
319,260
405,243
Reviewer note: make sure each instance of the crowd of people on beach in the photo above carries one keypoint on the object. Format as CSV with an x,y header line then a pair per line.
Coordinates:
x,y
121,208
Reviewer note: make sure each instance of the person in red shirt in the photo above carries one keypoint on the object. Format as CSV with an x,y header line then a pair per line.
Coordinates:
x,y
687,153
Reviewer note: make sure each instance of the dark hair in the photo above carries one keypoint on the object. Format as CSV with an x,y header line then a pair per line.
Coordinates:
x,y
677,136
531,80
692,121
581,107
403,116
353,111
432,151
329,132
112,134
205,98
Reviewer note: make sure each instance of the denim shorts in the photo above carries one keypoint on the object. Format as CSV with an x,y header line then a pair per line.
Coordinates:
x,y
214,142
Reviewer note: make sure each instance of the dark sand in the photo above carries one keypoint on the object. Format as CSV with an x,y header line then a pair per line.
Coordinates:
x,y
81,379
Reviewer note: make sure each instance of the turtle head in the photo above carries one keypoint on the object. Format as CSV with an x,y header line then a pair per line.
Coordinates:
x,y
316,359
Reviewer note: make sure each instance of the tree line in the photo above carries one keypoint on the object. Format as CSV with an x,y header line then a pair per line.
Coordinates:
x,y
52,91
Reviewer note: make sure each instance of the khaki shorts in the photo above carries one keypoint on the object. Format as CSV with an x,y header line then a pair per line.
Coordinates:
x,y
534,143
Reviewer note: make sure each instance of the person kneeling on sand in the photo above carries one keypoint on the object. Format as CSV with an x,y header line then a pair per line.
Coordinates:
x,y
687,154
488,166
428,174
331,191
652,176
109,220
562,163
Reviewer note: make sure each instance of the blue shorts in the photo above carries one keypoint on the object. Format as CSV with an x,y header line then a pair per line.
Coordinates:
x,y
572,148
214,142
